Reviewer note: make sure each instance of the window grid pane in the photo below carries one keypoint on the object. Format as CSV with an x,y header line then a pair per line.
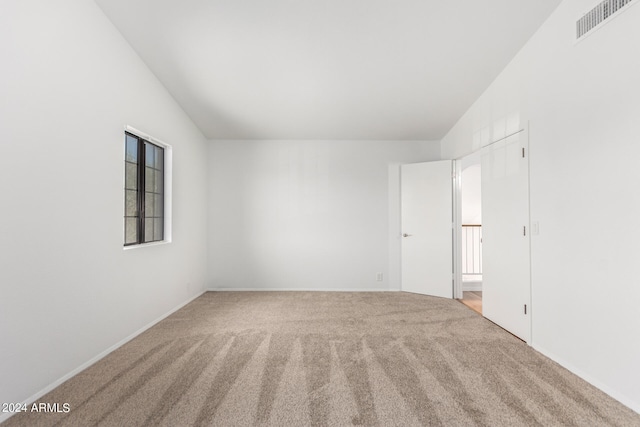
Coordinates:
x,y
131,203
159,207
149,154
157,182
130,231
149,205
131,149
148,231
131,176
148,179
160,159
158,229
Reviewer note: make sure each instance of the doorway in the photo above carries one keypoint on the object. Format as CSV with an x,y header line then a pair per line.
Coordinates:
x,y
471,231
431,235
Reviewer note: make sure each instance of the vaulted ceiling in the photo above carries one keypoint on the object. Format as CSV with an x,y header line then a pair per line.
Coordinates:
x,y
326,69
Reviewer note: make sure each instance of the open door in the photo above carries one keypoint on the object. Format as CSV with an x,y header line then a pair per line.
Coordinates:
x,y
427,218
506,280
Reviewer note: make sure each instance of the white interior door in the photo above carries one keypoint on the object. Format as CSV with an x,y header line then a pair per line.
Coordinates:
x,y
427,215
506,296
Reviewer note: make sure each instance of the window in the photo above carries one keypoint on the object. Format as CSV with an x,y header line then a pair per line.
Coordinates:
x,y
144,191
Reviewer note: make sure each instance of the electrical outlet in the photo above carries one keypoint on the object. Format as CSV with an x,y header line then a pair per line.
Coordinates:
x,y
379,277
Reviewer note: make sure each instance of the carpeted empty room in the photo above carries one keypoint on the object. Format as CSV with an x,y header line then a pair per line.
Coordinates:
x,y
327,358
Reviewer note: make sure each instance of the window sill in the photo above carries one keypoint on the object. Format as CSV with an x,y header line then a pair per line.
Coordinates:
x,y
146,245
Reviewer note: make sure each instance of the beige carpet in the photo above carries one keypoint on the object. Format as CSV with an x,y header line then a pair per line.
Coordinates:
x,y
337,359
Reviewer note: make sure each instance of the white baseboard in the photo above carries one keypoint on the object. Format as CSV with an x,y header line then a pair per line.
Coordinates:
x,y
47,389
298,290
633,405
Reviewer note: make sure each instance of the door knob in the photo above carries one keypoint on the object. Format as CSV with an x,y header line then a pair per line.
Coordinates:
x,y
407,235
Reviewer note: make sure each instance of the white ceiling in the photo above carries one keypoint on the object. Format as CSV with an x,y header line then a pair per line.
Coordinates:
x,y
326,69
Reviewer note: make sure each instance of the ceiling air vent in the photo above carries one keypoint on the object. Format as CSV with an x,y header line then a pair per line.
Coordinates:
x,y
598,15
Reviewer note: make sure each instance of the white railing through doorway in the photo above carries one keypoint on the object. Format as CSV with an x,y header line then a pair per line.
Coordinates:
x,y
471,249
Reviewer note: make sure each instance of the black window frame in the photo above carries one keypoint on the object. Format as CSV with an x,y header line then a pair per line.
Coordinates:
x,y
141,192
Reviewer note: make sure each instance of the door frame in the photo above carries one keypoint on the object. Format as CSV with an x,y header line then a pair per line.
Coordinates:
x,y
461,164
457,229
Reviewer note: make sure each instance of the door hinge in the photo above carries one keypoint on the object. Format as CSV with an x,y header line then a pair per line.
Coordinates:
x,y
523,152
525,309
524,230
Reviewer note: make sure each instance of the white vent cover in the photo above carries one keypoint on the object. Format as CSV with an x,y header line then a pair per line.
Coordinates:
x,y
598,15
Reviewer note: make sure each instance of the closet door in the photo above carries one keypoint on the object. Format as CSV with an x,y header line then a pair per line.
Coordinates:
x,y
506,282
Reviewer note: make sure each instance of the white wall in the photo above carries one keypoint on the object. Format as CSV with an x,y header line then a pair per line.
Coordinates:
x,y
68,84
582,103
319,215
